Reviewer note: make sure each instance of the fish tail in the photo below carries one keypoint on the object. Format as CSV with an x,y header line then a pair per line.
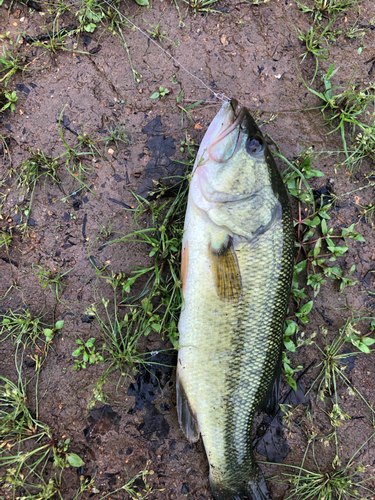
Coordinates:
x,y
252,488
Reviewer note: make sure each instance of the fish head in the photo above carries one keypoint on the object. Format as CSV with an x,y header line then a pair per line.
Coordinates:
x,y
233,159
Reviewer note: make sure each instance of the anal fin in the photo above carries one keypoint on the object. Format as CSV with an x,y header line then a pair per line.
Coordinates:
x,y
226,271
186,418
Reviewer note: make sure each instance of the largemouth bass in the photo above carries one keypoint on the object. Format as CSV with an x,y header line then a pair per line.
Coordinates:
x,y
237,267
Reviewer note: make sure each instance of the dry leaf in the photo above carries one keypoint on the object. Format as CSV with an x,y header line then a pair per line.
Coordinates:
x,y
224,40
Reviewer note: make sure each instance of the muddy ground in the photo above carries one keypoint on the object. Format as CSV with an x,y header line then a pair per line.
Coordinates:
x,y
248,52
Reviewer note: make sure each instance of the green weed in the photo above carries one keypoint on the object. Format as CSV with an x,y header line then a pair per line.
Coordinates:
x,y
156,32
9,64
368,212
358,32
341,484
317,41
27,446
305,231
327,8
256,2
136,75
117,135
162,92
185,110
53,278
22,328
351,112
8,99
4,148
314,252
54,41
5,240
91,13
131,489
27,175
36,167
333,358
87,351
121,334
201,5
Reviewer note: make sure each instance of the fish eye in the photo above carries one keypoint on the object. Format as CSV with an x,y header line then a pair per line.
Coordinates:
x,y
255,145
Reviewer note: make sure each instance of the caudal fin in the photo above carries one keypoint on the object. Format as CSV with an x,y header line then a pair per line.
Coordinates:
x,y
254,488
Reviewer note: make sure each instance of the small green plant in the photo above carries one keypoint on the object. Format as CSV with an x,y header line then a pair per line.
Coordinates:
x,y
333,358
105,231
327,8
10,64
368,212
358,32
131,486
185,110
87,351
5,240
27,447
121,335
90,15
351,112
10,98
4,146
27,175
306,227
317,43
341,483
291,330
162,92
51,332
51,278
88,143
24,329
163,277
117,136
201,5
37,166
136,74
256,2
156,32
314,250
21,326
54,41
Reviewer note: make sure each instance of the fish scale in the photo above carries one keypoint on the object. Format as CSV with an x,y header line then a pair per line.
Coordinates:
x,y
230,340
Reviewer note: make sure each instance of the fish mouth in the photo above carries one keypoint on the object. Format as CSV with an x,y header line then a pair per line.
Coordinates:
x,y
229,138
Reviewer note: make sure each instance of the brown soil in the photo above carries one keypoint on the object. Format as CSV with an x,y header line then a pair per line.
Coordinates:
x,y
256,62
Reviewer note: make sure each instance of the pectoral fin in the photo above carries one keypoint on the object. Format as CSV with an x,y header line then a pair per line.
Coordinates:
x,y
226,271
186,418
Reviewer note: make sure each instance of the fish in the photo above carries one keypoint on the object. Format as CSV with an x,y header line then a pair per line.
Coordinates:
x,y
237,264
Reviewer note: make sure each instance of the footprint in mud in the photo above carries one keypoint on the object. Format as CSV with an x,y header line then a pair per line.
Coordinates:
x,y
161,166
273,443
150,379
101,421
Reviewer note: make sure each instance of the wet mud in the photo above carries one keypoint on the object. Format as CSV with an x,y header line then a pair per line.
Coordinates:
x,y
248,52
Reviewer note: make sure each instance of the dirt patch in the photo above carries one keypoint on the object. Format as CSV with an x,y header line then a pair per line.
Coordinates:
x,y
87,94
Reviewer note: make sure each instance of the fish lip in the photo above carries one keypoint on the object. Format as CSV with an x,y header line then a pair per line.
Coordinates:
x,y
244,122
